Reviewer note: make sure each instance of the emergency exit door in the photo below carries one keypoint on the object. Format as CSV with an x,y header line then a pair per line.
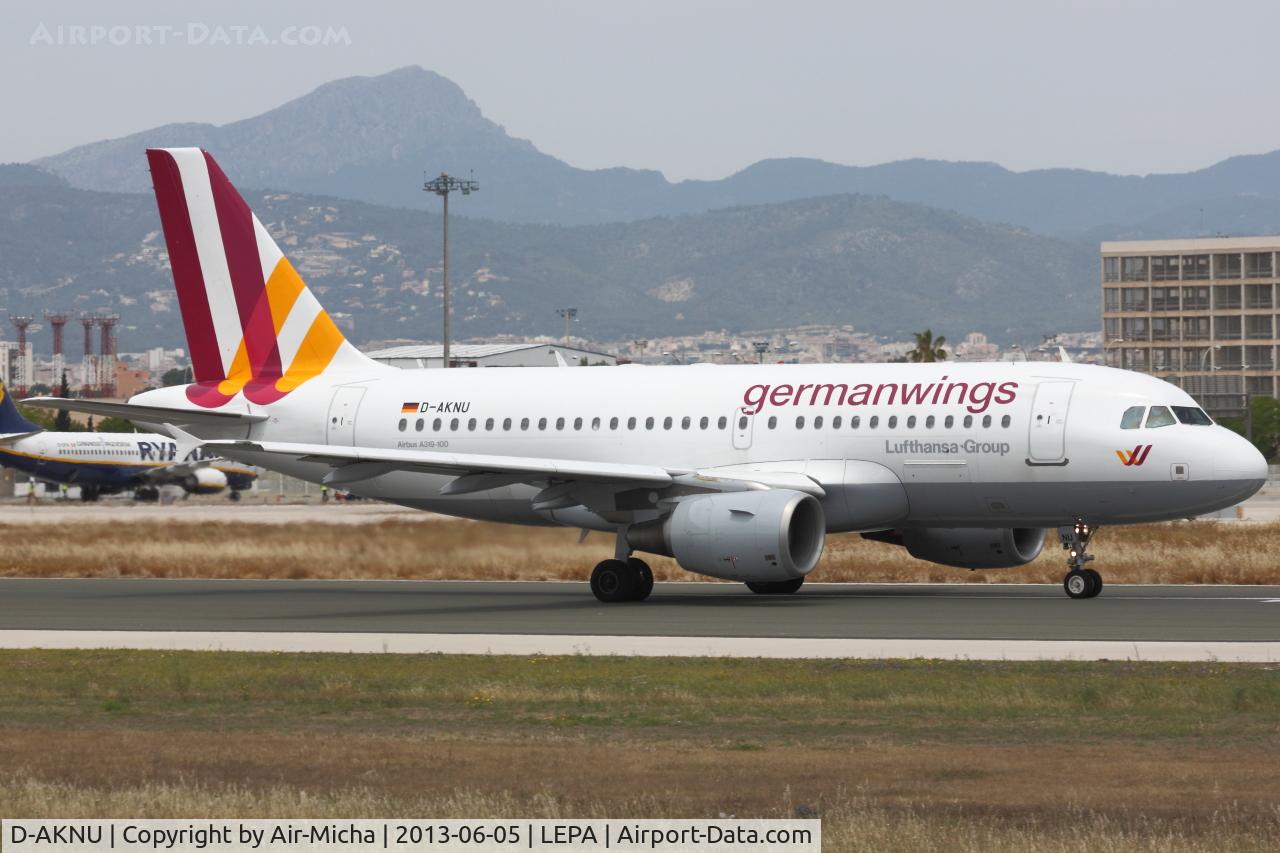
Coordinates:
x,y
341,428
743,422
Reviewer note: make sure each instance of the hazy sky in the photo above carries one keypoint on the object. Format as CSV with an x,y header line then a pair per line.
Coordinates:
x,y
694,89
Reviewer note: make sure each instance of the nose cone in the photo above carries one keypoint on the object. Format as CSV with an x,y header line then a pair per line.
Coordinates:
x,y
1235,458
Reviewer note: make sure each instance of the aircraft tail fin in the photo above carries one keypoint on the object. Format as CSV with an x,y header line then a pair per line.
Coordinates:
x,y
252,325
12,423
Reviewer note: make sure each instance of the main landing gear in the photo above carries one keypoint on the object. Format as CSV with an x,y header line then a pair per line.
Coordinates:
x,y
1080,582
622,580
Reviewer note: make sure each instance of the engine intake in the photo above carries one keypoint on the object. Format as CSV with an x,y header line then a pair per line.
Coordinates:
x,y
969,547
205,481
765,535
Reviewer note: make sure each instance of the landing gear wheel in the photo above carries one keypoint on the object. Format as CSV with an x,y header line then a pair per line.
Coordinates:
x,y
1080,583
775,587
613,581
233,497
642,578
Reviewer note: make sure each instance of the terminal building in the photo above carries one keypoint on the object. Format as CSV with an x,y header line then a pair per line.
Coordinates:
x,y
1200,313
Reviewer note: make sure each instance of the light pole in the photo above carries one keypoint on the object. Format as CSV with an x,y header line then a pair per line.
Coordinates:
x,y
569,315
761,347
442,186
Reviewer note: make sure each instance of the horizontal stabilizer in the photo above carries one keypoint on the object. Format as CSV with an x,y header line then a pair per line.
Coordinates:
x,y
146,414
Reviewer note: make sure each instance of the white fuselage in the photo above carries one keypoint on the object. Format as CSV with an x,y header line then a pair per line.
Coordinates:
x,y
892,445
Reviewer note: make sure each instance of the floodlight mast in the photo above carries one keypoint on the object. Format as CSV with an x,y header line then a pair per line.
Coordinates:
x,y
442,186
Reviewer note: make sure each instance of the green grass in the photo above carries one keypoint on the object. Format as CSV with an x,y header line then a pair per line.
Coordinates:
x,y
665,699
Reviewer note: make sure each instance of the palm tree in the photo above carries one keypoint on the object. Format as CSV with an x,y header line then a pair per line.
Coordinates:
x,y
928,348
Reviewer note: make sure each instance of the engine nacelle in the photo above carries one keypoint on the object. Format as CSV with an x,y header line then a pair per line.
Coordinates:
x,y
763,535
205,481
970,547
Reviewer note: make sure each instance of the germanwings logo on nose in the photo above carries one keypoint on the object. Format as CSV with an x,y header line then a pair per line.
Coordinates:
x,y
1136,456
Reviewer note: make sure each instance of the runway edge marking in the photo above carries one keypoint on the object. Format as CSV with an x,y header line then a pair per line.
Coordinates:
x,y
592,645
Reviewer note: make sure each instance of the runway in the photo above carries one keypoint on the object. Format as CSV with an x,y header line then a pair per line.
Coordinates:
x,y
1014,621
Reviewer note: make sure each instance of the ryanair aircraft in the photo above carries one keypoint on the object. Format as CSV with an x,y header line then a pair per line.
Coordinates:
x,y
739,472
104,463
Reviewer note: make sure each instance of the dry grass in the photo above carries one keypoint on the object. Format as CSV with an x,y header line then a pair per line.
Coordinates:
x,y
894,756
849,821
1185,552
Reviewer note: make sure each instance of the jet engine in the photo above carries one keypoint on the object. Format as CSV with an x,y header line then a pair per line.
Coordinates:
x,y
968,547
759,535
204,481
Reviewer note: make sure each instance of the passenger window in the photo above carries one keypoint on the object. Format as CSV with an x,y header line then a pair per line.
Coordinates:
x,y
613,423
1132,417
1005,421
542,423
855,422
577,423
666,422
911,422
723,422
1160,416
453,425
648,423
506,423
631,423
595,423
524,423
471,423
836,422
968,421
986,421
419,424
949,422
488,423
817,422
559,423
704,423
928,422
435,425
800,422
893,422
686,422
403,423
874,422
773,422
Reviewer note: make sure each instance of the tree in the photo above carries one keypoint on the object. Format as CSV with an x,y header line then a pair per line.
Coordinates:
x,y
62,423
176,376
1265,412
112,424
928,348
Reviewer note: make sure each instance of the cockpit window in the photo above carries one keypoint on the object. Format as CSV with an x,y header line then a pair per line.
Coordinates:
x,y
1192,415
1160,416
1132,418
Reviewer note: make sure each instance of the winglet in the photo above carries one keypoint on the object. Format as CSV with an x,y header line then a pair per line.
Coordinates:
x,y
1062,355
188,444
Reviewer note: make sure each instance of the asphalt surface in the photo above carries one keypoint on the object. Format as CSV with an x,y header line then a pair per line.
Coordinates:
x,y
907,611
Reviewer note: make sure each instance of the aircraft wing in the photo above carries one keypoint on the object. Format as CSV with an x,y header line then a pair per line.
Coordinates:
x,y
11,437
567,482
147,414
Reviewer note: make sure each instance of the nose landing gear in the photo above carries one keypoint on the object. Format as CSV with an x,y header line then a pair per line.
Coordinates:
x,y
1080,582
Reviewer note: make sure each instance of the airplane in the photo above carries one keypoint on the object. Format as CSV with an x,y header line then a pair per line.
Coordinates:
x,y
103,463
738,472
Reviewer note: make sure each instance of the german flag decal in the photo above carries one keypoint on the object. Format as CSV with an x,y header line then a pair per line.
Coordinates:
x,y
408,408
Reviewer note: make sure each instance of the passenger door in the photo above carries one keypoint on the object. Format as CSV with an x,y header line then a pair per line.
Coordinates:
x,y
1047,436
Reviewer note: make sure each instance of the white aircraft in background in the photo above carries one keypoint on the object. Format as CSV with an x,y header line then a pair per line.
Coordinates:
x,y
739,472
104,463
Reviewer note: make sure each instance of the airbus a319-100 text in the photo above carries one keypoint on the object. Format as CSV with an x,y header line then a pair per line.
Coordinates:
x,y
738,472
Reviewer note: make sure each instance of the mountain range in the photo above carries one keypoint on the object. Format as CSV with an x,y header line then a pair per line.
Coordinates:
x,y
373,139
882,265
336,176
